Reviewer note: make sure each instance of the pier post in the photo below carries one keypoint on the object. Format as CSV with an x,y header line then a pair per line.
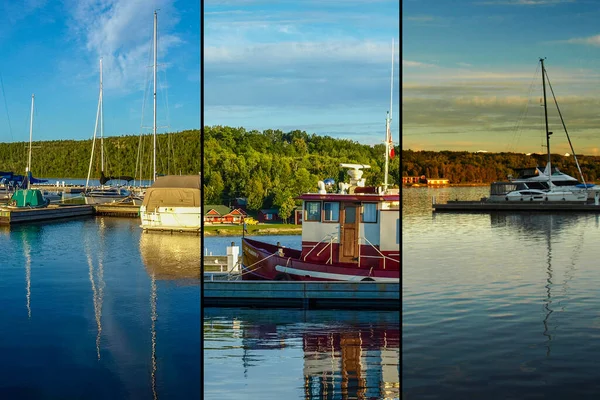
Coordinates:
x,y
233,252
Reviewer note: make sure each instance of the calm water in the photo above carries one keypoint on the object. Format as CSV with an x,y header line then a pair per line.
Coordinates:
x,y
295,354
498,306
95,309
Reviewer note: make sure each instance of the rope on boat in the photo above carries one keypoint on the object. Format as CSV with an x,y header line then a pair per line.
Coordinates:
x,y
261,260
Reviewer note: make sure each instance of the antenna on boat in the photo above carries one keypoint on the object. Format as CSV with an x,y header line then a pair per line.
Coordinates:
x,y
154,90
388,125
30,139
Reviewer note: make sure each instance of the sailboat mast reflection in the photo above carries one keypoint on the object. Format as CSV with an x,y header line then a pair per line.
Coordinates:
x,y
153,316
27,251
97,290
548,286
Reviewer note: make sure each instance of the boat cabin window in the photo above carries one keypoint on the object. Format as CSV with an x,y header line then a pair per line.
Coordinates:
x,y
312,211
331,211
369,212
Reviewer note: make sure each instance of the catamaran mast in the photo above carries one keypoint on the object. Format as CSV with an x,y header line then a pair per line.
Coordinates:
x,y
388,125
154,120
30,139
546,119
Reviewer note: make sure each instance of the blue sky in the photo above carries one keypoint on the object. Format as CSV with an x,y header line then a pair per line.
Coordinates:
x,y
468,69
52,48
320,66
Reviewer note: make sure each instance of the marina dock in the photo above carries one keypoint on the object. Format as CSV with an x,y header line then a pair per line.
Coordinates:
x,y
487,206
117,210
307,295
10,216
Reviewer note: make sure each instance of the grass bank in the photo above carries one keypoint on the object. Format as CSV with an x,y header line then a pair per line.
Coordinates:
x,y
259,229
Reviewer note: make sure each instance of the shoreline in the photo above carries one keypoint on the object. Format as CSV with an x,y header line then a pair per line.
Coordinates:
x,y
237,231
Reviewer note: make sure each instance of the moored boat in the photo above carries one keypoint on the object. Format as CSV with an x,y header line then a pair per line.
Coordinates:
x,y
172,203
352,235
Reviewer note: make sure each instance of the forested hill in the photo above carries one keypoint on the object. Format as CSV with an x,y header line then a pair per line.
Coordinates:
x,y
176,153
465,167
271,167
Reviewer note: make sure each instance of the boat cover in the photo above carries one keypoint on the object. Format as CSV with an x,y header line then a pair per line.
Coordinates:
x,y
29,198
173,191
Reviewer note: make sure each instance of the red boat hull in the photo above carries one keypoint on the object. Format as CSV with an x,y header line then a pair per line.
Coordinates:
x,y
263,261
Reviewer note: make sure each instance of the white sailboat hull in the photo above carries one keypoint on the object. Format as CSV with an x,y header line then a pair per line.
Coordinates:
x,y
171,218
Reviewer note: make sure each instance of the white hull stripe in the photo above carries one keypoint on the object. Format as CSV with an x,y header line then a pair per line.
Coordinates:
x,y
328,275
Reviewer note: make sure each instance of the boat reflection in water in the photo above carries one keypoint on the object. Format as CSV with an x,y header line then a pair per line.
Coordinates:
x,y
171,257
345,354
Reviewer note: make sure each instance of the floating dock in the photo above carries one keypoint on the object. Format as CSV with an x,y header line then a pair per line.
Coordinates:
x,y
117,210
10,216
307,295
487,206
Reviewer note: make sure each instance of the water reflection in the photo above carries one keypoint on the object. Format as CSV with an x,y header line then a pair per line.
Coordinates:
x,y
171,256
97,283
544,227
345,354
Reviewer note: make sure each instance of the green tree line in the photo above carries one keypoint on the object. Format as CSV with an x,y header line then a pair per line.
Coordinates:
x,y
270,168
177,152
466,167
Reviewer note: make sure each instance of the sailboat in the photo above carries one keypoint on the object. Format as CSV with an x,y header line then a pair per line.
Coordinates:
x,y
535,184
172,203
27,197
106,194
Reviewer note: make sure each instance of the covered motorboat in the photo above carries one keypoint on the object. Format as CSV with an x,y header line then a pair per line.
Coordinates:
x,y
172,203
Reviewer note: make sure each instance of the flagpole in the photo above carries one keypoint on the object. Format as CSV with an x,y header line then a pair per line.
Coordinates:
x,y
388,123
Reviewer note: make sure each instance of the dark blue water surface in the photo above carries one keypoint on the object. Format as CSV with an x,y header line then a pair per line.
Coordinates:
x,y
94,309
498,305
297,354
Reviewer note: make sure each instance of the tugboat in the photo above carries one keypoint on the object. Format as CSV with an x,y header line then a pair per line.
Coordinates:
x,y
352,235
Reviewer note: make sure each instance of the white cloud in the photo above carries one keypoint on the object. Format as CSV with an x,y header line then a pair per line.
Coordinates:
x,y
292,52
120,31
525,2
416,64
591,40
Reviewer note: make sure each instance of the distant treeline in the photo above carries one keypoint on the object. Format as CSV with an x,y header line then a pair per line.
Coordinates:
x,y
271,167
465,167
176,153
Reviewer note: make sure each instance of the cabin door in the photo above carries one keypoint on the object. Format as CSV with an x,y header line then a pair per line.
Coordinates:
x,y
349,233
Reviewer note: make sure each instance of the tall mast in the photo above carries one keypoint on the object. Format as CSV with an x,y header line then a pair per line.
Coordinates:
x,y
101,122
388,125
154,120
30,139
546,119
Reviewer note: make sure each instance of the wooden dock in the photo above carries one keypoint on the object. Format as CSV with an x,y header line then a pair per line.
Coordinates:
x,y
10,216
117,210
307,295
487,206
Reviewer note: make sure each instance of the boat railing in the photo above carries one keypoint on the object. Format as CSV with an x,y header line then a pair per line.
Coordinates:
x,y
381,255
330,238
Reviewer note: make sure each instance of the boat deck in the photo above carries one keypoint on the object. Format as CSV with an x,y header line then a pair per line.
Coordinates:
x,y
307,295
